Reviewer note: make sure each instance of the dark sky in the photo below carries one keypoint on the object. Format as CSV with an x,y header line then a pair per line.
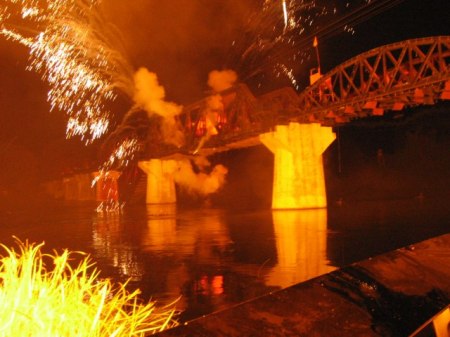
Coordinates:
x,y
180,40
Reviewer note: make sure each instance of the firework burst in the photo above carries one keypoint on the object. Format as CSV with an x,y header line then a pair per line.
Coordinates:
x,y
76,52
83,69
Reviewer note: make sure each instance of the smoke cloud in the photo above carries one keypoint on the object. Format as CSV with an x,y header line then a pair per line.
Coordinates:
x,y
214,107
201,162
179,35
214,103
199,183
149,95
220,80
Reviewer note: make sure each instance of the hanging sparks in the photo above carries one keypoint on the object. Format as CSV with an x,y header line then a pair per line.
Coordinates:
x,y
110,207
72,51
285,13
280,33
122,155
289,73
72,56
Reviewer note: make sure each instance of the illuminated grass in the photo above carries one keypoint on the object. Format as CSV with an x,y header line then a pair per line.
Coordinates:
x,y
42,295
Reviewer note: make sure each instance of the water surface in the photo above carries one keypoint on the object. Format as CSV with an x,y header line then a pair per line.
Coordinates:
x,y
214,258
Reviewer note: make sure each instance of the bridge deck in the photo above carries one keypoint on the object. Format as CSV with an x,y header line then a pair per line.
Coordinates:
x,y
386,79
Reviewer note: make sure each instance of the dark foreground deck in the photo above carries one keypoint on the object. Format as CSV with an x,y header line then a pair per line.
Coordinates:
x,y
389,295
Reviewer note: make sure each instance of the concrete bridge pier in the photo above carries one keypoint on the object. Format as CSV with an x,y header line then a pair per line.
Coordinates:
x,y
298,181
160,181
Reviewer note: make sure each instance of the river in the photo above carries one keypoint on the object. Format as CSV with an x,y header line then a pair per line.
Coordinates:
x,y
212,259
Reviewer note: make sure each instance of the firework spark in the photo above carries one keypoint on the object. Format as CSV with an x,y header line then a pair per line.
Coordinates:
x,y
122,155
285,14
75,52
277,38
71,54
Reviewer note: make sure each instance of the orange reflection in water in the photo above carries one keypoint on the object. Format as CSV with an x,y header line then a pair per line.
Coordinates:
x,y
301,239
197,236
107,242
161,226
210,285
202,254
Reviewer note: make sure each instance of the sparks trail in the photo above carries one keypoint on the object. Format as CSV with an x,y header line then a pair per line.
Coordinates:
x,y
277,39
71,48
351,19
76,53
266,31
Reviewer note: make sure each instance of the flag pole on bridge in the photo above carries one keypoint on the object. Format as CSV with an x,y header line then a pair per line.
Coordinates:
x,y
316,46
314,73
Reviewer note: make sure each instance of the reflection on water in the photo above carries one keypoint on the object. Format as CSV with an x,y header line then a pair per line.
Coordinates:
x,y
189,240
161,226
210,258
192,254
107,242
301,240
215,258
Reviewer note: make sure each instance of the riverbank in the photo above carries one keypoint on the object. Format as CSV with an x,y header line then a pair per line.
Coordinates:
x,y
389,295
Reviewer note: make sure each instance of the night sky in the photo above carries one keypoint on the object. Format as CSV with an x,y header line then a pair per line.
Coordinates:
x,y
181,41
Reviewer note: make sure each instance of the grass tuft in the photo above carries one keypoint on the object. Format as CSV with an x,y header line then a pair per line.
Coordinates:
x,y
43,295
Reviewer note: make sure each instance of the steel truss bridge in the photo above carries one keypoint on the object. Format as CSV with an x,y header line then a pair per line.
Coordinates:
x,y
385,79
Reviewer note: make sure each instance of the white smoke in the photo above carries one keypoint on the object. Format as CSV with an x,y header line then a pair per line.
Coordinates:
x,y
201,162
149,95
220,80
214,103
214,107
199,183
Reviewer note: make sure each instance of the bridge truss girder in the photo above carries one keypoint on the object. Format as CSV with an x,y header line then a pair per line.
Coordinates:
x,y
390,77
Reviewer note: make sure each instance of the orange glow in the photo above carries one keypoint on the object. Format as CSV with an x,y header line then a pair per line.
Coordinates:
x,y
107,188
298,181
315,42
210,285
217,285
301,240
161,227
441,323
200,130
160,182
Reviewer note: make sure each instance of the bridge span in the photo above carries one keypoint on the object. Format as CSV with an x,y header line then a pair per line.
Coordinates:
x,y
386,79
298,128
